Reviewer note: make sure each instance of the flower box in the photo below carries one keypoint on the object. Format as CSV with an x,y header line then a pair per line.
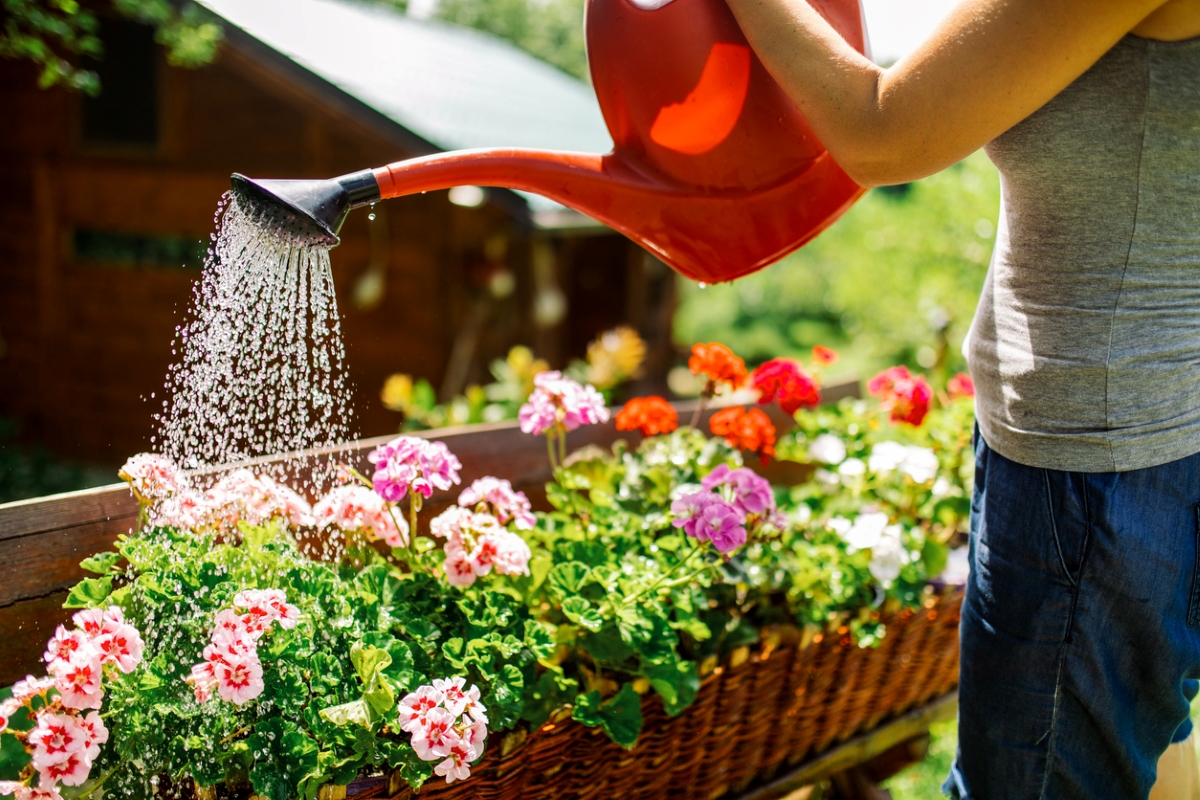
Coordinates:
x,y
763,712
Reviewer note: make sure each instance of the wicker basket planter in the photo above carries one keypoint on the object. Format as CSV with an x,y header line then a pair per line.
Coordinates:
x,y
750,721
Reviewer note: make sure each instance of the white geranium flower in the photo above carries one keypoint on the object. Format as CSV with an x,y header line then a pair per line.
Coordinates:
x,y
826,478
828,449
852,468
958,567
920,464
941,488
840,525
887,457
888,556
866,531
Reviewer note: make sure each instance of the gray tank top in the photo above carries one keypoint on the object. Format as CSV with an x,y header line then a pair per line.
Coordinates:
x,y
1085,348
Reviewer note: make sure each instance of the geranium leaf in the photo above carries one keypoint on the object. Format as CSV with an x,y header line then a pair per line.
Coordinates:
x,y
347,713
89,593
621,717
567,579
582,613
100,563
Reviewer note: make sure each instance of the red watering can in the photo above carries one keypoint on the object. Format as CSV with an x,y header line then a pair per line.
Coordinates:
x,y
714,169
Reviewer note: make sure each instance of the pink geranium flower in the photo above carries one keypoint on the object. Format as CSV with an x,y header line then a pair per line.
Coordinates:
x,y
453,697
904,396
64,644
25,690
437,737
187,510
150,476
559,401
501,499
72,771
410,463
120,644
415,707
55,738
265,606
456,767
95,733
20,791
8,708
239,679
78,680
512,554
355,508
91,621
460,571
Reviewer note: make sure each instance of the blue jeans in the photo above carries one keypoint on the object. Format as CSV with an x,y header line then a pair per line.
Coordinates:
x,y
1080,629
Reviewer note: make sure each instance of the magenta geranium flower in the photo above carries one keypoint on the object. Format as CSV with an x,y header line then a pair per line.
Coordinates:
x,y
749,492
707,517
409,463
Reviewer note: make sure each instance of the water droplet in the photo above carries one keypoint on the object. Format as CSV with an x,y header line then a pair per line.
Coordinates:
x,y
702,285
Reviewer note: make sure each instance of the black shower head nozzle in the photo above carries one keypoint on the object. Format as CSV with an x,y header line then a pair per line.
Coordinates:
x,y
310,211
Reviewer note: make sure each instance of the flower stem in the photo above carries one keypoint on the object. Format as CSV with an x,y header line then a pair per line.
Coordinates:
x,y
562,447
708,392
550,452
414,506
360,476
392,513
695,549
100,782
236,734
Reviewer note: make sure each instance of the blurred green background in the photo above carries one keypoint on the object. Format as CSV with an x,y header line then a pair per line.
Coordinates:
x,y
895,280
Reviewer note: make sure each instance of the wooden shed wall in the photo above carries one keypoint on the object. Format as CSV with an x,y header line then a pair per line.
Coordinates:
x,y
88,344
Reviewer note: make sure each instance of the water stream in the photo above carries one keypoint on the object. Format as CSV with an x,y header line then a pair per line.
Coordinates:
x,y
261,361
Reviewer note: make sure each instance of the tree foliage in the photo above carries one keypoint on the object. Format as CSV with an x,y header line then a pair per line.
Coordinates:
x,y
59,35
896,280
551,30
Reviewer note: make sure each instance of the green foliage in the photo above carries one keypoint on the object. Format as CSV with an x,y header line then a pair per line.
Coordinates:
x,y
895,280
551,30
328,709
56,34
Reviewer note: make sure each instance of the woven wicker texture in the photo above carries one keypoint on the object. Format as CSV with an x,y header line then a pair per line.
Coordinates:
x,y
748,723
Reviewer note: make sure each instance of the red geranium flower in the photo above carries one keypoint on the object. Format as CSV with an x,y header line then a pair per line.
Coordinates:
x,y
786,380
960,385
718,363
905,396
825,357
651,415
746,430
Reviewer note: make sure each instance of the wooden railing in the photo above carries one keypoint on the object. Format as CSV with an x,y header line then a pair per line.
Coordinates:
x,y
43,540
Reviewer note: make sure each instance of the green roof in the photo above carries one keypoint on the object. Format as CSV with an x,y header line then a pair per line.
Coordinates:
x,y
452,86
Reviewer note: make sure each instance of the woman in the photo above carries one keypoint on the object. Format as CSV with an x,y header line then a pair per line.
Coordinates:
x,y
1082,617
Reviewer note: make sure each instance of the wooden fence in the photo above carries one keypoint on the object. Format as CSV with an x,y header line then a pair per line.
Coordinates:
x,y
43,540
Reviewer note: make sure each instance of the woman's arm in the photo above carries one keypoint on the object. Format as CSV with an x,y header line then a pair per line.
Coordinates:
x,y
989,65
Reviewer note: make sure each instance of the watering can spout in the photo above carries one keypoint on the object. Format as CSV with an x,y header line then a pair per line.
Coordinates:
x,y
712,237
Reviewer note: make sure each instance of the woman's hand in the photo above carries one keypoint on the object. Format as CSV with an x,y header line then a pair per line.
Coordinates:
x,y
990,64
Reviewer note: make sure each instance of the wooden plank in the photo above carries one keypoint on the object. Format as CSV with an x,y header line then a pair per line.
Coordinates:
x,y
858,750
26,628
42,563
